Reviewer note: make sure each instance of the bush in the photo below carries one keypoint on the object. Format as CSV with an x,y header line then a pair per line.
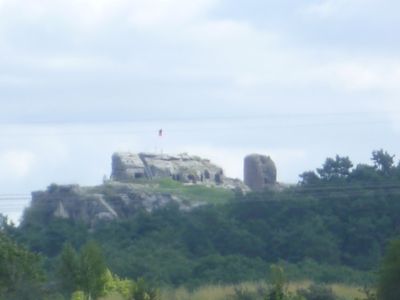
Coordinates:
x,y
317,292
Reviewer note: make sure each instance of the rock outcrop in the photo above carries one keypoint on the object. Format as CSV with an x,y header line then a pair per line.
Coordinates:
x,y
107,202
149,181
138,182
259,172
129,167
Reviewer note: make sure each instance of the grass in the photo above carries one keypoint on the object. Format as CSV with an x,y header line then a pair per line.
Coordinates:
x,y
195,193
192,193
222,292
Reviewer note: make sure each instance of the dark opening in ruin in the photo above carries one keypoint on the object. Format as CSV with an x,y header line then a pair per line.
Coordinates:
x,y
139,175
192,178
206,174
217,178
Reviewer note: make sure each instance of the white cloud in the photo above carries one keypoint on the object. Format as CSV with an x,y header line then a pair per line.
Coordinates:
x,y
336,8
149,13
16,164
322,9
368,75
89,14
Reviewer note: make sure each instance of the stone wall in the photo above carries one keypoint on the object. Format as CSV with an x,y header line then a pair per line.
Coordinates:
x,y
129,167
259,172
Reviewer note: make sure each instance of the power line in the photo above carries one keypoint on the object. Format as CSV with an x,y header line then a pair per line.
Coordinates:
x,y
192,130
210,118
295,189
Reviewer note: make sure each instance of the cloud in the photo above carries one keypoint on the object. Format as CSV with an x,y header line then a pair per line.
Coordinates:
x,y
370,74
337,8
87,15
16,164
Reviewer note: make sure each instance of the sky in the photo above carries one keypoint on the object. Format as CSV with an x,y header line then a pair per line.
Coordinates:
x,y
299,81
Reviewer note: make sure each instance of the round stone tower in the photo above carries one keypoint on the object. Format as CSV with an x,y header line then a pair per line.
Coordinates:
x,y
259,172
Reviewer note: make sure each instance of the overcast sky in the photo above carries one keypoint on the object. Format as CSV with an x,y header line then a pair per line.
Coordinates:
x,y
297,80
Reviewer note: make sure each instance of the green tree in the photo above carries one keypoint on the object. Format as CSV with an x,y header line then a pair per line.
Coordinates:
x,y
337,168
68,270
85,272
92,269
21,275
383,161
389,275
309,178
142,291
317,292
279,284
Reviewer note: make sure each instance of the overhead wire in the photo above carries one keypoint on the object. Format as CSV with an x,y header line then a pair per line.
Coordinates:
x,y
295,189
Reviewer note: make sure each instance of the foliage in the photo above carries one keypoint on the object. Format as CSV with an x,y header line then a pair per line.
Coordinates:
x,y
85,272
243,294
143,291
369,295
317,292
332,227
278,289
389,275
335,169
68,270
383,161
92,268
78,295
21,275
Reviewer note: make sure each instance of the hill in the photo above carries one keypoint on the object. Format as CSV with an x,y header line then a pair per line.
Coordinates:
x,y
331,227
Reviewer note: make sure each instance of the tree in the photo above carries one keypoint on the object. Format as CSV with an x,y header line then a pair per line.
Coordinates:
x,y
68,271
317,292
92,269
85,272
383,161
337,168
21,275
309,178
389,274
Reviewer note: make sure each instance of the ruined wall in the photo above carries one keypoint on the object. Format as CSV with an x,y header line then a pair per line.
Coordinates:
x,y
129,167
259,172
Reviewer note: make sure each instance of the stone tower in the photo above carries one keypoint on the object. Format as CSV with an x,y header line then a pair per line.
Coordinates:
x,y
259,172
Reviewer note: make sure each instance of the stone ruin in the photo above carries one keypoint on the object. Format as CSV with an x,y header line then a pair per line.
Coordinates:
x,y
130,167
259,172
129,189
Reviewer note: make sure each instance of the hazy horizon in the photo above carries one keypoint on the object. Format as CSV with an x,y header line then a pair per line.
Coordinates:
x,y
299,81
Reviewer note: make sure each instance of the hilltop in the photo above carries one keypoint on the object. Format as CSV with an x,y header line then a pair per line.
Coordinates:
x,y
146,181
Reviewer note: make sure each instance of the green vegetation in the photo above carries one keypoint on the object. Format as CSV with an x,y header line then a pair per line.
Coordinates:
x,y
85,272
192,193
332,228
389,279
20,271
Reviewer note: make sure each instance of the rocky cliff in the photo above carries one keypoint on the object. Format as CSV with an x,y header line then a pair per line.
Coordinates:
x,y
139,182
148,181
130,167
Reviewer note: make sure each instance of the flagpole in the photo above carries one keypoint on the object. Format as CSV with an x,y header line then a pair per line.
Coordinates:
x,y
160,135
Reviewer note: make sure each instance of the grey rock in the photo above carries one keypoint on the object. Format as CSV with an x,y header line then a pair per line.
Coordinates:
x,y
135,185
111,201
129,167
61,212
259,172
